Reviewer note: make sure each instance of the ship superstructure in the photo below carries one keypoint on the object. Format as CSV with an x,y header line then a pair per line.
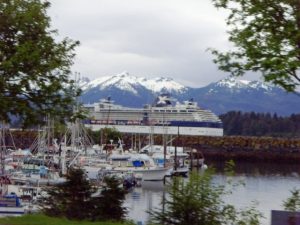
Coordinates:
x,y
162,117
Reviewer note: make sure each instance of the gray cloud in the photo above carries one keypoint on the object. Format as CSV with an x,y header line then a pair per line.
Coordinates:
x,y
144,37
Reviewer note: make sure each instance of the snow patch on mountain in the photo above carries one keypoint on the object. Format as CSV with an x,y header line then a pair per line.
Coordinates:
x,y
235,84
260,85
127,82
245,82
83,82
95,83
159,84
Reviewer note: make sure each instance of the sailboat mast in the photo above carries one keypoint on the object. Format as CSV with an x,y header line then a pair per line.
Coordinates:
x,y
3,146
2,143
164,141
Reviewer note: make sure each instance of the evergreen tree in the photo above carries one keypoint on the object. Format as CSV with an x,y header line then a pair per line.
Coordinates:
x,y
260,124
71,199
34,66
77,199
293,202
109,205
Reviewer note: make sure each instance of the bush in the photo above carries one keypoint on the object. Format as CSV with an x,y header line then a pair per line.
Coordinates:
x,y
199,201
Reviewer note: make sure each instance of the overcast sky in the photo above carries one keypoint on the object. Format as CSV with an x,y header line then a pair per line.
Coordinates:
x,y
149,38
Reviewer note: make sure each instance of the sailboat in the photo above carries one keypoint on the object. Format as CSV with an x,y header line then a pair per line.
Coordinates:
x,y
41,167
10,203
168,155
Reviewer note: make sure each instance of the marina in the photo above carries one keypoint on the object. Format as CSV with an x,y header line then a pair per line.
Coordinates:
x,y
47,161
265,183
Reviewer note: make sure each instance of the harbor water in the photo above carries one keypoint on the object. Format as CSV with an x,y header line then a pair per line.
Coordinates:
x,y
265,184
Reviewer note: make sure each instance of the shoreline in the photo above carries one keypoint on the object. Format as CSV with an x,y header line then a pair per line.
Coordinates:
x,y
252,156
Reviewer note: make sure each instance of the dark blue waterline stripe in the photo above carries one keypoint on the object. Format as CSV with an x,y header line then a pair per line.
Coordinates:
x,y
5,212
169,123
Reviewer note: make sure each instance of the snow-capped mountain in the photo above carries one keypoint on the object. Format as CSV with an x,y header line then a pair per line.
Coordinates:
x,y
130,90
220,97
234,85
130,83
239,95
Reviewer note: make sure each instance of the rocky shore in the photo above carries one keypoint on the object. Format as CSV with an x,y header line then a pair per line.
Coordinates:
x,y
250,149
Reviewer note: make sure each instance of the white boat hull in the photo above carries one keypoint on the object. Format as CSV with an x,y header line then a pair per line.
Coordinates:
x,y
197,162
11,211
180,171
147,174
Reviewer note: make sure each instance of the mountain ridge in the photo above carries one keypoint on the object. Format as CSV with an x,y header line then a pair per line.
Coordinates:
x,y
229,94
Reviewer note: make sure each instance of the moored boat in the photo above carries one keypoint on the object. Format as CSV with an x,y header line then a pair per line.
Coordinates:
x,y
140,165
10,204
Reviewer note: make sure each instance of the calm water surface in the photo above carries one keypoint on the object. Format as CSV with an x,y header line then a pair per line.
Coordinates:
x,y
267,183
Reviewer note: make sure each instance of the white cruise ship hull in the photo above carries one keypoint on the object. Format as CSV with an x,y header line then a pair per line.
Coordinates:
x,y
171,130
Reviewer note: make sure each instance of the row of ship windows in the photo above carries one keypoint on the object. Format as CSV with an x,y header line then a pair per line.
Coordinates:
x,y
167,110
185,117
164,111
159,116
174,110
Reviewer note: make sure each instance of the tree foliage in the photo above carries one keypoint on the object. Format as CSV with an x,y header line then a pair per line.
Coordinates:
x,y
109,205
260,124
111,134
293,202
266,36
34,67
105,135
71,199
199,201
77,199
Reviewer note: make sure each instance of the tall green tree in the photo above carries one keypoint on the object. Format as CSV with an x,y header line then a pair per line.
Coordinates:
x,y
109,204
266,38
77,199
71,199
34,66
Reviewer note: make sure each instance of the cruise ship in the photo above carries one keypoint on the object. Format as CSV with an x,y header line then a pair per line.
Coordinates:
x,y
162,117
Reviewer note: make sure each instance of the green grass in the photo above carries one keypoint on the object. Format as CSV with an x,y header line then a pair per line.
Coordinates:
x,y
39,219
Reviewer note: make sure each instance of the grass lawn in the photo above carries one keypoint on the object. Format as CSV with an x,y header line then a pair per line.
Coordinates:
x,y
38,219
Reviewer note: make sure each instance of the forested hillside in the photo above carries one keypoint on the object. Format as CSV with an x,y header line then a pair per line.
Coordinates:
x,y
260,124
